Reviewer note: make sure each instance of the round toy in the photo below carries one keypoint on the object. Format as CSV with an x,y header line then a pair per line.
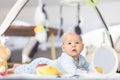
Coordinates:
x,y
92,2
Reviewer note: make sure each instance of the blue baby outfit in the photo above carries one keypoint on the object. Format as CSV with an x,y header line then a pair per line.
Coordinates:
x,y
67,64
30,68
64,63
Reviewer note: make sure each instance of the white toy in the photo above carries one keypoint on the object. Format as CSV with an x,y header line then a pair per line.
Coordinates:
x,y
40,33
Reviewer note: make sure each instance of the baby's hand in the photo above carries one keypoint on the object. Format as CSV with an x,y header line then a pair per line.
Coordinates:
x,y
11,70
83,70
16,65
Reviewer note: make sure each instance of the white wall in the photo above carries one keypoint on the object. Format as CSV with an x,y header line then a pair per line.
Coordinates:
x,y
90,20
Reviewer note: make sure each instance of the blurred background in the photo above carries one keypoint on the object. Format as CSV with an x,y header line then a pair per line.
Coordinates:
x,y
90,21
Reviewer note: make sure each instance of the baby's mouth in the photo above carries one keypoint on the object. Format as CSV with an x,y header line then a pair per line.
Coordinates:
x,y
74,50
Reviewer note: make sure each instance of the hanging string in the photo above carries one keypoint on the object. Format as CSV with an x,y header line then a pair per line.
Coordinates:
x,y
78,8
61,22
104,41
107,30
61,18
36,45
46,16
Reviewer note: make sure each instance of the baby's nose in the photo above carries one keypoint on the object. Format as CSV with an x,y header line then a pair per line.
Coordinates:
x,y
73,45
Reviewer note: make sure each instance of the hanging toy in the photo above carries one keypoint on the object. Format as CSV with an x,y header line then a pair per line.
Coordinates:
x,y
41,20
94,3
39,17
71,3
40,34
77,28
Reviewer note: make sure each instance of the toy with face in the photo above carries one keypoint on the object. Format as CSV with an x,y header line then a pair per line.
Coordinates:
x,y
4,56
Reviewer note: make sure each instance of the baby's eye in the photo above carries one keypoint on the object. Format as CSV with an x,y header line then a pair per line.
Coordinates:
x,y
77,42
69,43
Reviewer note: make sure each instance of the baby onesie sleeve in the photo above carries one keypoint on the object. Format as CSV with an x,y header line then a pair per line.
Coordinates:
x,y
70,67
30,68
84,63
67,64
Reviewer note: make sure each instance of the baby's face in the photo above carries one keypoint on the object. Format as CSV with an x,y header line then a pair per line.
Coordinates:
x,y
72,45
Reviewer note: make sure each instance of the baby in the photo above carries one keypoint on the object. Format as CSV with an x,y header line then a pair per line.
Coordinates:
x,y
70,62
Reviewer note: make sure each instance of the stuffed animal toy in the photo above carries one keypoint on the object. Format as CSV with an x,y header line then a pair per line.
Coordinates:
x,y
40,34
4,56
47,70
41,20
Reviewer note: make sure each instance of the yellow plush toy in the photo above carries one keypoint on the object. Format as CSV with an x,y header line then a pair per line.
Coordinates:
x,y
47,70
4,56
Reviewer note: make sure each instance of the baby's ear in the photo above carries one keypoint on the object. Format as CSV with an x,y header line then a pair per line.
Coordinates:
x,y
82,46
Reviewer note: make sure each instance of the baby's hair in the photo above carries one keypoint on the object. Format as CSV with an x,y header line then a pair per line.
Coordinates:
x,y
68,33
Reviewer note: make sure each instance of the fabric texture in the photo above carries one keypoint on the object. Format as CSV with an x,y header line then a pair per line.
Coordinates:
x,y
30,68
64,63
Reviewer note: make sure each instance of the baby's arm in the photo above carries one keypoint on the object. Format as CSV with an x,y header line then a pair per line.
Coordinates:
x,y
30,68
85,64
71,67
11,70
68,66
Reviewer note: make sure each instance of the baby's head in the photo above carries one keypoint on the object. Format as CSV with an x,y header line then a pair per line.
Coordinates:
x,y
72,43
